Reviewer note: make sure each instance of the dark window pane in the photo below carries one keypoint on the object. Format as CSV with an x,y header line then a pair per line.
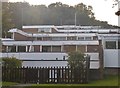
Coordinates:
x,y
46,49
110,44
11,49
21,48
56,48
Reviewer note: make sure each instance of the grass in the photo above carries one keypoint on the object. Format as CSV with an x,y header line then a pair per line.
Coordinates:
x,y
9,83
107,81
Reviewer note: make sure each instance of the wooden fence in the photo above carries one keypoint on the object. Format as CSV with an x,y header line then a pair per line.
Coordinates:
x,y
45,75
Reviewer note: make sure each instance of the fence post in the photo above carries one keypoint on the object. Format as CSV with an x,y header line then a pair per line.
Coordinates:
x,y
87,68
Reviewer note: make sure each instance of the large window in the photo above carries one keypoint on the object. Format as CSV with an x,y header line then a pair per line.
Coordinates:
x,y
56,48
81,38
11,49
21,48
88,38
46,48
110,44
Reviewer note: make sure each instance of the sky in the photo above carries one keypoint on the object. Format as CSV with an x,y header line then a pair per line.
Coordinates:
x,y
102,8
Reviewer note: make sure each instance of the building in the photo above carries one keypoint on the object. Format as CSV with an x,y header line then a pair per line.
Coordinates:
x,y
49,45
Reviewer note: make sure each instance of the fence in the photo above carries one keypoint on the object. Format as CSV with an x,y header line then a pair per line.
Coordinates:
x,y
45,75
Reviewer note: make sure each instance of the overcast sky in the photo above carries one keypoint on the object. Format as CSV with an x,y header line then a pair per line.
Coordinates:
x,y
102,8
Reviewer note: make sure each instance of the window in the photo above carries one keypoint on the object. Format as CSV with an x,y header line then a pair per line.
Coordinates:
x,y
71,38
39,38
110,44
11,49
21,48
88,38
56,48
58,38
80,38
46,49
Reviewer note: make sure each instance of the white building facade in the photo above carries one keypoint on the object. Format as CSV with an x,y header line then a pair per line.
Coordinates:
x,y
49,45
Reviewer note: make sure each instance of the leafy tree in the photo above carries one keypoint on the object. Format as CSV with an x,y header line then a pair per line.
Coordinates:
x,y
22,13
76,59
6,19
11,62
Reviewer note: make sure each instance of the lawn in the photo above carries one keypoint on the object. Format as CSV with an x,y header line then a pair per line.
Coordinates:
x,y
107,81
9,83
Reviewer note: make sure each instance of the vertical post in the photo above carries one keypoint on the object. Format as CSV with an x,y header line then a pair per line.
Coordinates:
x,y
75,19
101,59
119,16
7,50
119,39
85,48
87,68
61,48
40,48
16,48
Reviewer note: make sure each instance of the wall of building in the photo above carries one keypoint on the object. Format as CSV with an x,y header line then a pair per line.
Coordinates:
x,y
44,63
30,30
111,58
21,37
34,59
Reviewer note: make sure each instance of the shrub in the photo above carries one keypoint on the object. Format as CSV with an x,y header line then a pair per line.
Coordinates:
x,y
11,62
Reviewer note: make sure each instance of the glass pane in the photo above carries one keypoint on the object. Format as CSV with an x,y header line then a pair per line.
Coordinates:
x,y
80,38
46,49
88,38
110,44
21,48
56,48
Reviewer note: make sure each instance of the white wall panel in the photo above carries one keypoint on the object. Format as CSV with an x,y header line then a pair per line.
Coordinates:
x,y
111,58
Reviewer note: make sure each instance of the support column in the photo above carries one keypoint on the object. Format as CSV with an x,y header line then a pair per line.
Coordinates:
x,y
61,48
40,48
66,38
117,44
16,48
6,48
86,48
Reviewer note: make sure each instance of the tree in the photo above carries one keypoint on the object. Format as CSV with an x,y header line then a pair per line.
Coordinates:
x,y
22,13
6,19
76,59
11,62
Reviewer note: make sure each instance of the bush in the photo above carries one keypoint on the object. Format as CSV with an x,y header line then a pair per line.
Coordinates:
x,y
76,59
11,62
